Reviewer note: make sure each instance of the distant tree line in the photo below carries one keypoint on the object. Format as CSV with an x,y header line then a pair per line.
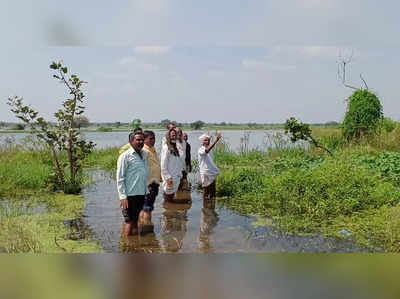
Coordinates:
x,y
83,122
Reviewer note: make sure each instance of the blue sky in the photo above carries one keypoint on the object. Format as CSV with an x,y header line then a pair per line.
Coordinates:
x,y
233,61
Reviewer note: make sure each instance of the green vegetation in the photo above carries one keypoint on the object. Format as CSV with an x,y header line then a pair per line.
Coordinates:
x,y
105,159
104,129
197,125
136,123
32,216
63,140
299,131
388,125
306,191
363,115
26,230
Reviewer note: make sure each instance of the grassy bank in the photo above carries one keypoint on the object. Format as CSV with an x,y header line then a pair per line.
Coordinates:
x,y
33,218
355,194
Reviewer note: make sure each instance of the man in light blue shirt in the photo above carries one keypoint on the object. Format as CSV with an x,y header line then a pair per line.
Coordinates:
x,y
132,176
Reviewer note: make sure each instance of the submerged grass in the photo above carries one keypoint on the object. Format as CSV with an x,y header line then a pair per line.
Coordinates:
x,y
25,185
25,230
305,191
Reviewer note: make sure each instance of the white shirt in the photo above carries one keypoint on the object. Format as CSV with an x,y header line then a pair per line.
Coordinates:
x,y
171,165
206,163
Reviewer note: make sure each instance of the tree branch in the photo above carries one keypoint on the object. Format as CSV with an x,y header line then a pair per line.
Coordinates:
x,y
365,83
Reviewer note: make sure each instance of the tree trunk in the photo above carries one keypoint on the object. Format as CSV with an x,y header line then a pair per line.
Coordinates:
x,y
58,168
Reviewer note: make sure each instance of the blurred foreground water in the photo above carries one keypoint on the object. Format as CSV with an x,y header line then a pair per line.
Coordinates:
x,y
199,276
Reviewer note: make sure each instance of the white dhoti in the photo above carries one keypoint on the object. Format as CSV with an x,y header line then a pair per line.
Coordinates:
x,y
172,188
171,167
208,170
207,179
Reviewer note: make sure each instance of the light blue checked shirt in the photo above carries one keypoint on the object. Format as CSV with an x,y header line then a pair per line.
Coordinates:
x,y
132,174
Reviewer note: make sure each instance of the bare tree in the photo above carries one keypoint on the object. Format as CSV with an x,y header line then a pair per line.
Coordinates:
x,y
343,61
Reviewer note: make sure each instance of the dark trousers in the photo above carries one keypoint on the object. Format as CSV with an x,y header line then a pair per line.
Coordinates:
x,y
210,191
151,198
135,205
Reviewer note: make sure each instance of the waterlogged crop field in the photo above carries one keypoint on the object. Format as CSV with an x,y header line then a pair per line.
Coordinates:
x,y
300,190
355,194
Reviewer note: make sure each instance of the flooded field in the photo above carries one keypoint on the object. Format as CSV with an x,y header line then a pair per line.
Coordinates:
x,y
258,139
191,228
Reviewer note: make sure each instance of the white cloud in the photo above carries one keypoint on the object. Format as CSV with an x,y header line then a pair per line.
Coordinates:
x,y
134,62
253,64
155,50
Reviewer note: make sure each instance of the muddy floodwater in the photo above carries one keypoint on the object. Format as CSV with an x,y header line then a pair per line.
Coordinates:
x,y
191,228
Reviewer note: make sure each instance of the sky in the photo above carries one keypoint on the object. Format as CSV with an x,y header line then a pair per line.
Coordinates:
x,y
228,60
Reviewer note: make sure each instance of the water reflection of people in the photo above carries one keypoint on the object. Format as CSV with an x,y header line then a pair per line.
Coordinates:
x,y
209,220
145,243
173,226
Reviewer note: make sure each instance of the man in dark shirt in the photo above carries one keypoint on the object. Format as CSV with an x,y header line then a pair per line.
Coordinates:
x,y
188,162
188,158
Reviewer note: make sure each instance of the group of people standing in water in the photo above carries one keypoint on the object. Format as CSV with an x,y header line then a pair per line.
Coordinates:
x,y
140,173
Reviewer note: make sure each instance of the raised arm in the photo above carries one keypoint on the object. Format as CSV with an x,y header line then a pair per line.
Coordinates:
x,y
210,147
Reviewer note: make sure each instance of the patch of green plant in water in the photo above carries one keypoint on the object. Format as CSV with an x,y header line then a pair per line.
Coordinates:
x,y
43,232
262,221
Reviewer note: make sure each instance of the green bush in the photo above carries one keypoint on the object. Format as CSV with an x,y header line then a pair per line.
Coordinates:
x,y
363,115
104,129
388,125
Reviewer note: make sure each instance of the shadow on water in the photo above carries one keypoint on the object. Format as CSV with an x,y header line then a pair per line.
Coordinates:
x,y
190,228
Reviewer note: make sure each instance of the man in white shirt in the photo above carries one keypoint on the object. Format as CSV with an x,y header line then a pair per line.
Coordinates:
x,y
181,146
132,182
208,169
171,166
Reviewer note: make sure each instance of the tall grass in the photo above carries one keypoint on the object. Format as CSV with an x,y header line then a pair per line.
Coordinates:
x,y
22,169
105,159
